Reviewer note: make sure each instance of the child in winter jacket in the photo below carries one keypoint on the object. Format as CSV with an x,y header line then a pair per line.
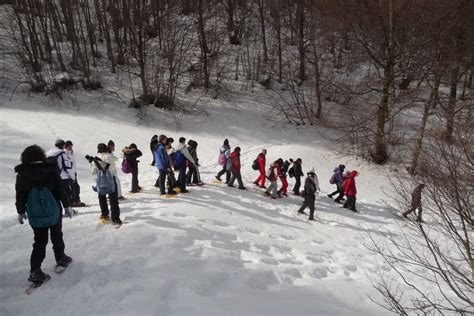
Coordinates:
x,y
349,187
235,156
35,172
261,158
284,165
131,154
297,172
337,179
182,157
105,160
224,155
75,188
272,177
193,177
311,186
163,165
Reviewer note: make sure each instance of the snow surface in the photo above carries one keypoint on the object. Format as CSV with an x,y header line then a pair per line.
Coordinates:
x,y
215,251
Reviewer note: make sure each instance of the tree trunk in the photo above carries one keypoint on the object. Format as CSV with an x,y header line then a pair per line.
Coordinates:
x,y
262,24
419,141
450,110
301,50
203,43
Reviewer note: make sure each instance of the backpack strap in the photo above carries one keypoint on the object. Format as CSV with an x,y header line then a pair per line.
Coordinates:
x,y
96,161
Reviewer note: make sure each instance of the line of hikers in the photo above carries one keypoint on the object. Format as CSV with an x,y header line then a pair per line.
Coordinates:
x,y
47,182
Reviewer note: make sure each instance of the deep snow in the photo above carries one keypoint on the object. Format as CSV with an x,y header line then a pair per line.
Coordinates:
x,y
216,251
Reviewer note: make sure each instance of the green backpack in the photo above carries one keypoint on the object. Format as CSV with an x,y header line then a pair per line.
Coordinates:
x,y
42,208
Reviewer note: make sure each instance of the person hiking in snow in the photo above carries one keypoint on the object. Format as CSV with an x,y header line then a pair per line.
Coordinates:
x,y
235,156
75,188
181,158
311,186
163,165
172,182
105,160
153,144
131,153
416,202
261,160
59,156
349,187
111,148
284,165
33,173
296,172
193,177
224,155
272,177
337,179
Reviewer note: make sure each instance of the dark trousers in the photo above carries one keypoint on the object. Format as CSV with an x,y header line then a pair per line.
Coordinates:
x,y
340,191
182,178
135,178
350,202
76,190
192,175
309,201
412,209
227,173
236,175
161,181
114,206
297,186
153,155
41,240
172,183
67,185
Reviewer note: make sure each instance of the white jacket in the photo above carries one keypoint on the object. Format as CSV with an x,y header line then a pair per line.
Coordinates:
x,y
65,164
73,171
184,150
106,158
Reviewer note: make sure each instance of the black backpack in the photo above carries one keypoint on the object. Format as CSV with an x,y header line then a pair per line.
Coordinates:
x,y
291,172
284,167
255,165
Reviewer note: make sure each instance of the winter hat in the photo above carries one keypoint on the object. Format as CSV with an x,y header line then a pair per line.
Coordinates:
x,y
111,143
264,151
342,167
226,142
237,149
311,172
59,143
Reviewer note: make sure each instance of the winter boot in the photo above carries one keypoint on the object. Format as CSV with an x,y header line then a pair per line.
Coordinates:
x,y
38,276
64,261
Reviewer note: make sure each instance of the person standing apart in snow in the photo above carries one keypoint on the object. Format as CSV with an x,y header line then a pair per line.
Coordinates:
x,y
131,154
224,155
311,186
235,156
36,172
181,158
416,202
272,177
106,160
111,148
350,189
59,156
296,172
261,158
153,143
337,179
193,177
75,188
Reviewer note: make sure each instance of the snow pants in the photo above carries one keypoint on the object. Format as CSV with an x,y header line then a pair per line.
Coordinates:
x,y
76,191
284,184
273,188
339,191
192,175
261,178
350,202
182,178
236,175
227,173
114,206
41,240
309,201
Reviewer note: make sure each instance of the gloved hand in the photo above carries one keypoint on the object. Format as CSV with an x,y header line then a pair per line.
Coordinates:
x,y
70,211
21,218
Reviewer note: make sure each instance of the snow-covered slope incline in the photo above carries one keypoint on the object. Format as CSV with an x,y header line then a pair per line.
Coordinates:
x,y
214,251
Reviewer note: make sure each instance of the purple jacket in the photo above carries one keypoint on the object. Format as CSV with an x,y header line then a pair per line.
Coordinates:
x,y
338,175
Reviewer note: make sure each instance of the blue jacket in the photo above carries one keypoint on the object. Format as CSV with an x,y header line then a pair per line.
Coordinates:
x,y
161,158
338,175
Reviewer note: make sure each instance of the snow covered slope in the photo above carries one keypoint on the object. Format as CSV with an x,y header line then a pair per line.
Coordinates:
x,y
216,251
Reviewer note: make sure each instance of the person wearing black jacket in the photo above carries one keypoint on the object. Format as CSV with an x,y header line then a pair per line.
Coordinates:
x,y
311,186
131,154
297,173
34,171
153,144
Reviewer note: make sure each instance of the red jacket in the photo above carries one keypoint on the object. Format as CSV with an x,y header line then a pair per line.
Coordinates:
x,y
235,160
261,162
349,185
